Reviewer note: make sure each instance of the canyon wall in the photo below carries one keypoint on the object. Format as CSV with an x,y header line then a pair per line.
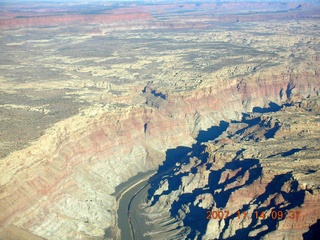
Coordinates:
x,y
258,180
111,93
61,186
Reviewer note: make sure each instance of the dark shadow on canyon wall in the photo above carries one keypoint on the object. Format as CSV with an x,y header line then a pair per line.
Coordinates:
x,y
248,171
181,155
252,166
288,153
212,133
313,233
254,118
272,132
273,107
294,198
196,217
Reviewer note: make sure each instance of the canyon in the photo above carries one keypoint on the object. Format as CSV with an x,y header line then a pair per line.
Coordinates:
x,y
259,175
88,100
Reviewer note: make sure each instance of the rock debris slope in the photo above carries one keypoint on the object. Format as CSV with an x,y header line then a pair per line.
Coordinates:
x,y
263,171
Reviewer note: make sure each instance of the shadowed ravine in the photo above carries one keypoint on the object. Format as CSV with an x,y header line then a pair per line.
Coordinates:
x,y
137,187
244,173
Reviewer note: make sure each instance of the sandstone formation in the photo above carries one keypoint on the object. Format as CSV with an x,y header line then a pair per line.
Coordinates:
x,y
261,174
57,187
89,100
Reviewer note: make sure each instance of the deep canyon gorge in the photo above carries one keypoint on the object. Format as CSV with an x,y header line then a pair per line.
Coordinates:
x,y
91,99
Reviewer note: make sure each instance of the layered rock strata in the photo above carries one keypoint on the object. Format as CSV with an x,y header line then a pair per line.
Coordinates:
x,y
258,180
83,111
61,186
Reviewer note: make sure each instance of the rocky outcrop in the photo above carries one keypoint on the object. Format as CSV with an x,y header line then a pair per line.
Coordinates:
x,y
258,179
77,165
110,104
57,187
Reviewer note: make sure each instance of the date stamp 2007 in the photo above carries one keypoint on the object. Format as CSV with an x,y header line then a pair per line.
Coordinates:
x,y
274,214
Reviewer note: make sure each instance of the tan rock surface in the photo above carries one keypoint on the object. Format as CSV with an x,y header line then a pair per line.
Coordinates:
x,y
86,106
275,174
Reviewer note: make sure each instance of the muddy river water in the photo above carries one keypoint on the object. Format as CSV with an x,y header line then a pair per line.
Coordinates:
x,y
130,195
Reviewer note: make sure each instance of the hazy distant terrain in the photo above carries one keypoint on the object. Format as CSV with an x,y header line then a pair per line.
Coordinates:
x,y
93,93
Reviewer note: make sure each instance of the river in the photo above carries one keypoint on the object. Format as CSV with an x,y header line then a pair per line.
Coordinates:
x,y
129,199
132,192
